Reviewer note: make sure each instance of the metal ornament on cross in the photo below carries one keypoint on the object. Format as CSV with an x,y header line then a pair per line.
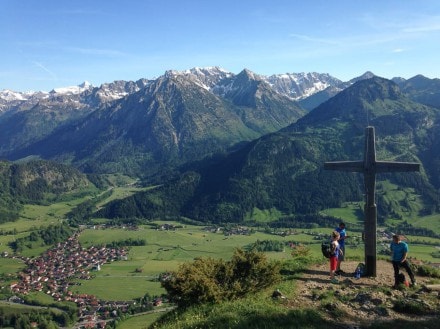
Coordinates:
x,y
370,167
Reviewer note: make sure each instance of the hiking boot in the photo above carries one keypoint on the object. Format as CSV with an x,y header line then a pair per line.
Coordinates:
x,y
414,284
339,272
334,281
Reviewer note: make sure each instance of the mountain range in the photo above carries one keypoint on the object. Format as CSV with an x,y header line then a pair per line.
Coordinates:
x,y
139,127
284,170
234,143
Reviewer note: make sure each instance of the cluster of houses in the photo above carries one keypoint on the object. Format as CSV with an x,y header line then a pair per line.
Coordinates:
x,y
227,231
55,270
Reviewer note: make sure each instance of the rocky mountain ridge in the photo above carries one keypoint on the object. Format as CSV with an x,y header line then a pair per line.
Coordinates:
x,y
310,89
136,127
293,85
152,123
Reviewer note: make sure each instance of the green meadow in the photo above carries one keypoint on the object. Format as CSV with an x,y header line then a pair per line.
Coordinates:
x,y
6,307
10,266
122,192
139,321
431,222
166,250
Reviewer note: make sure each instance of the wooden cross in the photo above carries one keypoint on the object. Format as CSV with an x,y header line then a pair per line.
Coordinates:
x,y
369,167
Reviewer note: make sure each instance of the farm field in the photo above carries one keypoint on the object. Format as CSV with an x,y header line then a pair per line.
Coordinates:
x,y
165,250
7,307
139,321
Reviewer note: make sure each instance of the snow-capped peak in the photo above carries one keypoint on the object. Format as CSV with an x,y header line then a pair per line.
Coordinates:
x,y
301,85
14,96
9,95
74,89
206,77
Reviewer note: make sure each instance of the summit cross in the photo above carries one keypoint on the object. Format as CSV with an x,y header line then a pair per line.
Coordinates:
x,y
370,167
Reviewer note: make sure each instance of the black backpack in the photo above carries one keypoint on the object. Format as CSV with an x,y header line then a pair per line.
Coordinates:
x,y
326,248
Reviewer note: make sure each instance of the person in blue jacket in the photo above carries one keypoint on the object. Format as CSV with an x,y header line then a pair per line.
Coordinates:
x,y
399,254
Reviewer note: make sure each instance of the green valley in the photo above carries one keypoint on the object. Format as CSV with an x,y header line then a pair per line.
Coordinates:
x,y
169,244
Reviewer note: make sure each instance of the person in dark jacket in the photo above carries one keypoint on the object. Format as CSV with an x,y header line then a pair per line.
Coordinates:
x,y
342,236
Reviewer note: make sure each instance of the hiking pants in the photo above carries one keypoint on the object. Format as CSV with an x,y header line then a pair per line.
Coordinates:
x,y
405,265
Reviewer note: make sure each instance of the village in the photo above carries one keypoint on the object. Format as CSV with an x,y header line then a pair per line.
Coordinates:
x,y
55,271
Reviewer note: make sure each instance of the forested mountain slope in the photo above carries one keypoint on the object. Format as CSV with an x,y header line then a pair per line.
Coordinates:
x,y
35,182
284,170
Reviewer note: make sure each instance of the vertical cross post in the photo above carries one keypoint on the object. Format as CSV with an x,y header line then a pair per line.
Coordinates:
x,y
369,167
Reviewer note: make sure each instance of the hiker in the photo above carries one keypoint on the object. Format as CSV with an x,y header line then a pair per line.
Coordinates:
x,y
399,250
336,251
342,236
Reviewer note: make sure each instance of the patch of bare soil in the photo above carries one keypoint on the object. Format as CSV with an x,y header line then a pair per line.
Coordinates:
x,y
357,302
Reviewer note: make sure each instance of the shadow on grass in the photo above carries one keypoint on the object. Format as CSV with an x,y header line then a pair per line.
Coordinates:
x,y
295,319
307,319
407,324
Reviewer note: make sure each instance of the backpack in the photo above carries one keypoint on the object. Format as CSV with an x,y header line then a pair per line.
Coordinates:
x,y
326,248
361,267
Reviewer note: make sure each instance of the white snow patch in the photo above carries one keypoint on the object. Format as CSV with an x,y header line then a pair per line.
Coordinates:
x,y
74,89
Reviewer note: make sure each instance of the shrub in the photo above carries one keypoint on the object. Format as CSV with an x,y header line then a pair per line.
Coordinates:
x,y
208,280
249,272
429,271
300,251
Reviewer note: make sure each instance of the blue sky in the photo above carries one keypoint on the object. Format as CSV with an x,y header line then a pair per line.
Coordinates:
x,y
54,43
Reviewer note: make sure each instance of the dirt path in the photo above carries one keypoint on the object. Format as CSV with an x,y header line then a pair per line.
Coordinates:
x,y
362,300
384,274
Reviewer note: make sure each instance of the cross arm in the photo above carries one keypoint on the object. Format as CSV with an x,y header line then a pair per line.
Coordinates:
x,y
353,166
388,166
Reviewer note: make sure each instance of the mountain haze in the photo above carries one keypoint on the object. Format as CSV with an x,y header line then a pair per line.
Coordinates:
x,y
422,90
